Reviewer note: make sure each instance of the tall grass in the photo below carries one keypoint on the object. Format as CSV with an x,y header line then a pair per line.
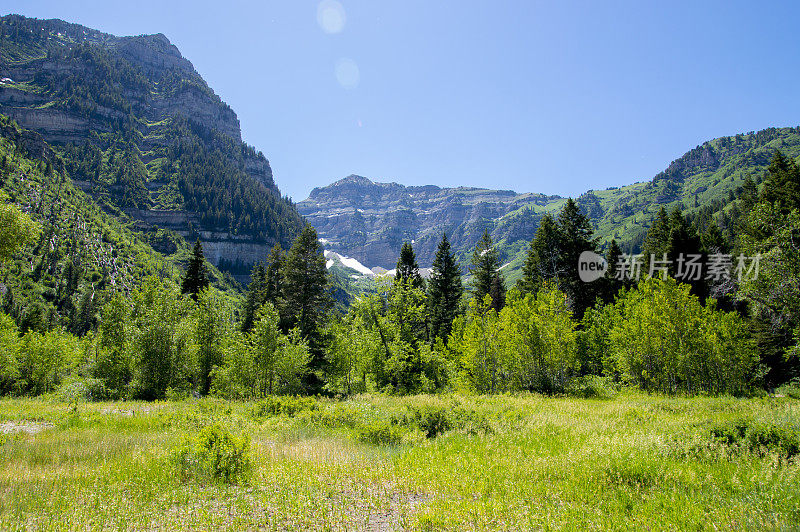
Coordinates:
x,y
459,463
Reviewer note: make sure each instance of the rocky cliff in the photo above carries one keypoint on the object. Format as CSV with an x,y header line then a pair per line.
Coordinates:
x,y
369,221
137,100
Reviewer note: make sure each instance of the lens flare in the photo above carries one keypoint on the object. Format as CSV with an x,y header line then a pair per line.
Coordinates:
x,y
347,73
330,16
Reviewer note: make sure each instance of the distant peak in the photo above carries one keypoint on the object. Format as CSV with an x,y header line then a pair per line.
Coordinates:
x,y
355,180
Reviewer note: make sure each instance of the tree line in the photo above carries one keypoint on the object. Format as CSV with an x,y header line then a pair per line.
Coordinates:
x,y
547,333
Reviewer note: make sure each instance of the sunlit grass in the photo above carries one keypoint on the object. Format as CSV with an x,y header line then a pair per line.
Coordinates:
x,y
537,463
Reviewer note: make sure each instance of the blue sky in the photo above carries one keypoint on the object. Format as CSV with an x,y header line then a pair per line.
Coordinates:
x,y
555,97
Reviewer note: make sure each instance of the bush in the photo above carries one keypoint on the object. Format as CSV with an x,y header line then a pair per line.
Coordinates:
x,y
431,420
287,405
782,439
592,387
381,432
75,388
214,455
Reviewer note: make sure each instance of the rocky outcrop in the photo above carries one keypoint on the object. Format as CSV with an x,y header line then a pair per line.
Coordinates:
x,y
144,77
369,221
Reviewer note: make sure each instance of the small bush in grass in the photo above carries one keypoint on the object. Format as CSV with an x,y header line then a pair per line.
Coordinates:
x,y
782,439
381,432
431,420
288,406
77,388
214,454
592,387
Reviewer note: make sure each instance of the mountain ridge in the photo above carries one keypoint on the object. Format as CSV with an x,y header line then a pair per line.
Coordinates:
x,y
369,220
143,133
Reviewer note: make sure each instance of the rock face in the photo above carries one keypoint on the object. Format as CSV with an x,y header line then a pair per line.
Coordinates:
x,y
143,83
370,221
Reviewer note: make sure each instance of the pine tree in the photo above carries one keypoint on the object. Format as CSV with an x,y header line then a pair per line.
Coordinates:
x,y
306,297
273,276
256,291
782,184
613,281
657,239
713,240
485,271
196,278
407,267
444,291
749,194
683,243
576,237
543,262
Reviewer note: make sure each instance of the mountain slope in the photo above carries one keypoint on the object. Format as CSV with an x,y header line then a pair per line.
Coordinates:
x,y
83,254
142,133
369,221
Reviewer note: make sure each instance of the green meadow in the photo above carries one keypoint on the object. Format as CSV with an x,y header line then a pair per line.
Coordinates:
x,y
375,462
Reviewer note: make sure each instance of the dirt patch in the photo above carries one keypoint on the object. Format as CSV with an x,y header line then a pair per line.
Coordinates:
x,y
28,427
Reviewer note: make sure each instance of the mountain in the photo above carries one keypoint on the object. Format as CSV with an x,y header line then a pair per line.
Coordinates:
x,y
83,254
143,134
369,221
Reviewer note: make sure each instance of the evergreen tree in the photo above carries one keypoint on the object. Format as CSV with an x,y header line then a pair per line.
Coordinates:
x,y
407,267
444,291
306,297
713,240
683,243
543,262
256,291
485,270
657,239
576,237
612,281
273,276
196,278
782,185
749,194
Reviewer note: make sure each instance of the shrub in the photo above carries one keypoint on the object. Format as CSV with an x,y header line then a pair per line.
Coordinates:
x,y
782,439
214,455
75,388
381,432
287,405
431,420
592,387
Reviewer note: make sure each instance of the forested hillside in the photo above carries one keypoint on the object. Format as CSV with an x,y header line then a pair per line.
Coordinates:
x,y
82,255
144,135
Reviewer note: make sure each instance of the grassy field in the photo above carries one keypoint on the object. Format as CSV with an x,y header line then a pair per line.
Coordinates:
x,y
421,463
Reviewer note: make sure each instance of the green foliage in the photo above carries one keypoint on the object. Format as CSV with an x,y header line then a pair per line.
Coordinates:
x,y
214,455
10,346
759,437
407,270
485,270
212,325
478,343
162,340
262,362
381,432
354,349
196,278
290,406
16,229
113,362
444,292
45,359
306,297
662,339
539,341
